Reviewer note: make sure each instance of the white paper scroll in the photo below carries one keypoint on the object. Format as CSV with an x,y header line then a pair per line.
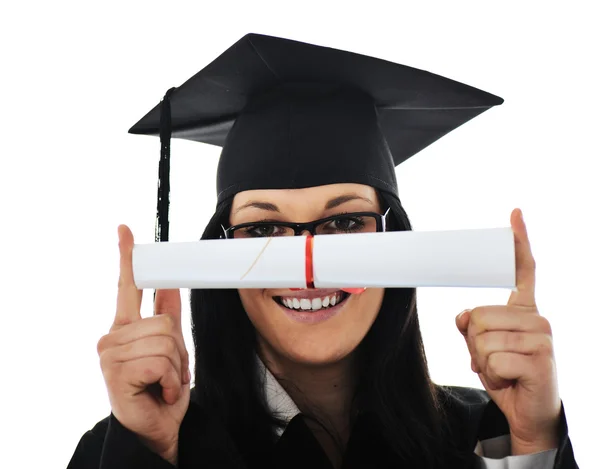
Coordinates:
x,y
460,258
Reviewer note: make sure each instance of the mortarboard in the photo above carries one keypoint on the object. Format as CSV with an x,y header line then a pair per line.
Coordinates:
x,y
292,115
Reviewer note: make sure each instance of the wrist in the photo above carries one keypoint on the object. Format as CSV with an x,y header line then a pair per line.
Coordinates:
x,y
171,456
520,446
167,452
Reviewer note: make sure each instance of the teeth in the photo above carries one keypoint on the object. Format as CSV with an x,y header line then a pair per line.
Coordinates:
x,y
313,304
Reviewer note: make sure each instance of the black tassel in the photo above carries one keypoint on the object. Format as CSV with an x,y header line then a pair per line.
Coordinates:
x,y
161,229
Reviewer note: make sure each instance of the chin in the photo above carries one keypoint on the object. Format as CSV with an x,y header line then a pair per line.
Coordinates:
x,y
311,327
314,352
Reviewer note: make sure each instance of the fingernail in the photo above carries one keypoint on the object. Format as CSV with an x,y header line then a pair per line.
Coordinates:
x,y
188,377
463,312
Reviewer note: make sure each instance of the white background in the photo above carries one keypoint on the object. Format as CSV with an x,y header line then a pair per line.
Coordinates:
x,y
75,76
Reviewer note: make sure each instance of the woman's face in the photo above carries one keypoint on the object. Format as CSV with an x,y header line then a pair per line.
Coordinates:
x,y
322,334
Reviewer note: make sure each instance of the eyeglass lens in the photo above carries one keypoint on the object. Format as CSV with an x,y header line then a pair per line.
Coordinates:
x,y
338,225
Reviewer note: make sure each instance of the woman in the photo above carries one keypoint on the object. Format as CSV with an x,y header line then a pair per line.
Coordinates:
x,y
318,378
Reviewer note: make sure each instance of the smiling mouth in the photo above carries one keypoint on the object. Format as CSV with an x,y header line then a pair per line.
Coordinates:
x,y
312,304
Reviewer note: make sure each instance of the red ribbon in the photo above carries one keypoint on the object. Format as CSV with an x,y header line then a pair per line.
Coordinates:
x,y
310,275
354,291
309,269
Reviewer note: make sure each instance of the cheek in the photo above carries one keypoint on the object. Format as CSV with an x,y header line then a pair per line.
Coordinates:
x,y
253,302
367,308
263,313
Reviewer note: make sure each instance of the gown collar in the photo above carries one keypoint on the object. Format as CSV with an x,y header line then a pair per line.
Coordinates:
x,y
279,402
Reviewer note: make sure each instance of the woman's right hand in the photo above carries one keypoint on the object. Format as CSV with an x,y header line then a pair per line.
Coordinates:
x,y
145,363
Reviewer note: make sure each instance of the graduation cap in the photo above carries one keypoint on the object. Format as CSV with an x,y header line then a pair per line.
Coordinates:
x,y
293,115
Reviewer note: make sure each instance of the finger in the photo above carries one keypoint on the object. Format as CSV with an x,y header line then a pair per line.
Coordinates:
x,y
145,372
525,263
503,367
516,342
172,387
129,298
462,323
159,326
506,318
494,384
168,302
484,320
154,346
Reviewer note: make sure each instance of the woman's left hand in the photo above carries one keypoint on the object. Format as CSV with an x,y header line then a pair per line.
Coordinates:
x,y
512,352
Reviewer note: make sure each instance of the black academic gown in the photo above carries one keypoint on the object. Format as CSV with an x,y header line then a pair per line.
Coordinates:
x,y
205,444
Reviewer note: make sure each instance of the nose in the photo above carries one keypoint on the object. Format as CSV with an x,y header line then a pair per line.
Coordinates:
x,y
305,232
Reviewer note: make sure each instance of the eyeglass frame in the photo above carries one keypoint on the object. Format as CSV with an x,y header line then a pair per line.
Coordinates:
x,y
310,226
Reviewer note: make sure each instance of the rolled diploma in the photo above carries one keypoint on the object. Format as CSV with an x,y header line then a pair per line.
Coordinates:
x,y
222,263
458,258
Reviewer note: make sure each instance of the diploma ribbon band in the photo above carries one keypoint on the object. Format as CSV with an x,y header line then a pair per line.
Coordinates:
x,y
310,278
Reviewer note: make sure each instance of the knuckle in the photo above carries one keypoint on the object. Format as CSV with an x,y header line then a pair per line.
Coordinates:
x,y
167,323
170,320
169,346
545,345
476,313
494,362
545,325
479,317
103,343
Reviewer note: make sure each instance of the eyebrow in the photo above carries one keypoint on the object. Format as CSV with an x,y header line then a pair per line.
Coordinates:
x,y
333,203
342,199
260,205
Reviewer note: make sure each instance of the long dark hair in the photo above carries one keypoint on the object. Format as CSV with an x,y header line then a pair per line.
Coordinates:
x,y
394,389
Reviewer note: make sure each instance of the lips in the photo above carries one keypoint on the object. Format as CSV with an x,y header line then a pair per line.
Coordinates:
x,y
308,300
352,291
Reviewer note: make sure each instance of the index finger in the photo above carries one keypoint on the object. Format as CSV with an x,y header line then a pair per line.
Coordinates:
x,y
129,298
168,302
525,263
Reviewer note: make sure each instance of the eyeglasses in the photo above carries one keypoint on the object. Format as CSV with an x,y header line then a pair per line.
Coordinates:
x,y
355,222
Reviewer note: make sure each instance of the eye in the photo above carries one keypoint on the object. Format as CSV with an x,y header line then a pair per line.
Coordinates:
x,y
262,231
344,224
